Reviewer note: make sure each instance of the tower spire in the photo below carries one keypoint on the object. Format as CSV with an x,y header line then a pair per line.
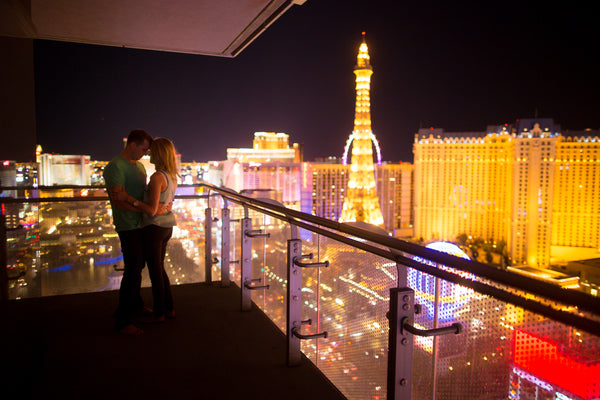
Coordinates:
x,y
361,203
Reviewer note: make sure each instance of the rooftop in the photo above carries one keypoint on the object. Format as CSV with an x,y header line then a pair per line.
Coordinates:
x,y
65,347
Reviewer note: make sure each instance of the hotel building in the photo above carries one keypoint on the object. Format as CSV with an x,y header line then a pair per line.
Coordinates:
x,y
393,183
317,188
527,184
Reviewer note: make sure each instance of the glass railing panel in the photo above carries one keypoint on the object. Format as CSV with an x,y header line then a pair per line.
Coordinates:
x,y
310,293
215,238
352,299
236,214
67,247
23,250
79,248
504,351
270,265
184,262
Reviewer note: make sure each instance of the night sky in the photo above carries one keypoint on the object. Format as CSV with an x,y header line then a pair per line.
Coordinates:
x,y
449,64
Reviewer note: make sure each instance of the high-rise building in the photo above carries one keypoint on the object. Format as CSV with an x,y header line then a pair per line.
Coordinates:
x,y
329,182
58,169
267,147
270,164
361,203
393,184
318,188
525,184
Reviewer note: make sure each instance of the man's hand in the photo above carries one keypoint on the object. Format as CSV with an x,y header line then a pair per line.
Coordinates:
x,y
119,198
164,208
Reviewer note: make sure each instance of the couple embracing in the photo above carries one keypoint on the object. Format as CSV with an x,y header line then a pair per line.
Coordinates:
x,y
144,222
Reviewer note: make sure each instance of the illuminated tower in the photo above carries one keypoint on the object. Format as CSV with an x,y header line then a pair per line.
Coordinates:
x,y
361,203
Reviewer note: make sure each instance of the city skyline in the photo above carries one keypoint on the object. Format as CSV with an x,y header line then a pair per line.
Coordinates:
x,y
435,65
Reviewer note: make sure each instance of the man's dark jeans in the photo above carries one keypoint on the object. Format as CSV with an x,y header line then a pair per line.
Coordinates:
x,y
130,300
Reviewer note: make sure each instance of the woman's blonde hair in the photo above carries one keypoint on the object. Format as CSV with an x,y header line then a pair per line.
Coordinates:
x,y
162,155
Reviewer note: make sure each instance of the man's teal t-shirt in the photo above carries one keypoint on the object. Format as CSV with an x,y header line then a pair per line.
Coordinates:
x,y
132,176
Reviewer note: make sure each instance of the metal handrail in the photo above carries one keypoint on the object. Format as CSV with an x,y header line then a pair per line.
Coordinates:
x,y
396,249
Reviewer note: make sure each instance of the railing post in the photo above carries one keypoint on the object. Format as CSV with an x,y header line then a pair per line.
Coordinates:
x,y
246,269
3,261
402,271
246,279
294,301
225,238
208,262
400,353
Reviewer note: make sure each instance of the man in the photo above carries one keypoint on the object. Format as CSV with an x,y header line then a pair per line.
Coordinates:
x,y
125,174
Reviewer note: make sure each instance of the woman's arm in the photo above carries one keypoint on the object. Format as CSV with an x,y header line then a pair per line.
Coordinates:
x,y
157,184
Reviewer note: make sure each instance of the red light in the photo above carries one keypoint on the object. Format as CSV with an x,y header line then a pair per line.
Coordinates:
x,y
6,163
549,362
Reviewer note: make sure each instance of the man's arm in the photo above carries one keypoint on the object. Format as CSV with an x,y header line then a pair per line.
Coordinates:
x,y
121,199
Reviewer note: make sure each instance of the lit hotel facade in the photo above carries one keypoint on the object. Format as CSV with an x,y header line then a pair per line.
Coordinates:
x,y
393,183
526,184
317,188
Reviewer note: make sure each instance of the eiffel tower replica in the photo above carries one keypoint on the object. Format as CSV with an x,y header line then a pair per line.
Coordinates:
x,y
361,203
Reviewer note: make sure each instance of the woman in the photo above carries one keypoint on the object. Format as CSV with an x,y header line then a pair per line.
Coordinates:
x,y
157,229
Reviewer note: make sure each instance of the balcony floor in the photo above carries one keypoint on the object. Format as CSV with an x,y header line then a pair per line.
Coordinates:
x,y
65,347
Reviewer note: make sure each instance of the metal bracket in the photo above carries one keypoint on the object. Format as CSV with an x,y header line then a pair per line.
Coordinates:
x,y
301,264
296,329
249,286
455,328
256,233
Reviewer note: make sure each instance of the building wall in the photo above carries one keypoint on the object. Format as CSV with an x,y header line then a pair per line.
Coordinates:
x,y
533,180
394,190
286,178
17,100
329,183
576,192
462,186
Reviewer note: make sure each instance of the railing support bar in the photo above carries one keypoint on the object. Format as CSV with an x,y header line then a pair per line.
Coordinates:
x,y
400,353
225,247
294,302
208,261
3,261
246,270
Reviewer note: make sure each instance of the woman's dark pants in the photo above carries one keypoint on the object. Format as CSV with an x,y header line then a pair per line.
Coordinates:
x,y
155,248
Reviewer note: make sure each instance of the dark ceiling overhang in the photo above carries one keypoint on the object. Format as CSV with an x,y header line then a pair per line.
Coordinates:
x,y
209,27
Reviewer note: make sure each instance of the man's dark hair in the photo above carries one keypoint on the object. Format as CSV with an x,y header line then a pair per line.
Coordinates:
x,y
138,136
